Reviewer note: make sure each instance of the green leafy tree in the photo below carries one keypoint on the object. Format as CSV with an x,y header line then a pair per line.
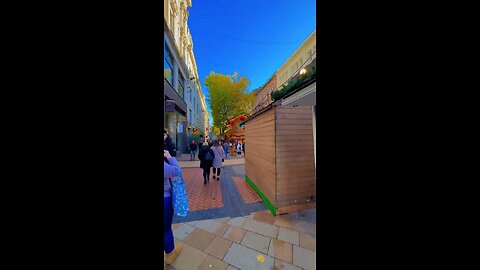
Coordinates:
x,y
228,97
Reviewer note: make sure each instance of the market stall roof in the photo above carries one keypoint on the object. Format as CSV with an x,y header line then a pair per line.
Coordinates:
x,y
237,120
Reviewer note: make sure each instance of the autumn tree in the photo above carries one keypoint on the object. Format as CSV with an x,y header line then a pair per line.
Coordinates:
x,y
228,97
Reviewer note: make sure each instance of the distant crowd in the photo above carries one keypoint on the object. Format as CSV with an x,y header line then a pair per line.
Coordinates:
x,y
238,146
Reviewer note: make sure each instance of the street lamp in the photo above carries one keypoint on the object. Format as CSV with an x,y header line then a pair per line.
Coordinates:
x,y
303,71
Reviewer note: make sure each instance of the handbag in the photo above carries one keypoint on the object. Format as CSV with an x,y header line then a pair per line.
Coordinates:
x,y
179,195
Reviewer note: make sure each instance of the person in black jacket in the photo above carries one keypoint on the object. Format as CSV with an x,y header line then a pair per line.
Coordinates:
x,y
206,156
200,143
168,144
193,151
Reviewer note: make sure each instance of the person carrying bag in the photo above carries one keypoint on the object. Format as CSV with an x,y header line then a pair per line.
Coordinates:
x,y
173,200
179,195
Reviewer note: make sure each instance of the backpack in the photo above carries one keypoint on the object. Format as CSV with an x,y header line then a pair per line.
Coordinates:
x,y
208,156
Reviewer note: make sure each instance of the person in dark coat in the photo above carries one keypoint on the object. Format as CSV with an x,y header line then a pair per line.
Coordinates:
x,y
204,154
193,151
226,148
168,144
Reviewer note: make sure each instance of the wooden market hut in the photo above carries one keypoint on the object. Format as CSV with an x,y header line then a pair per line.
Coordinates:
x,y
280,162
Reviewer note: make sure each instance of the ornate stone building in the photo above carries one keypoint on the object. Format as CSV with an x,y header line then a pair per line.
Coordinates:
x,y
185,107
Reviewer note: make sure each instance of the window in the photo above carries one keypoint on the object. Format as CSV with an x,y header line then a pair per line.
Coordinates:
x,y
296,65
309,52
172,24
167,65
180,86
190,116
301,60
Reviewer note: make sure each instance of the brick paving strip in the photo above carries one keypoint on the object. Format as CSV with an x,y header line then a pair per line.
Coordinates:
x,y
186,163
229,197
255,241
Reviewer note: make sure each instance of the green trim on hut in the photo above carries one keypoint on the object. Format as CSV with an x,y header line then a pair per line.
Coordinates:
x,y
269,205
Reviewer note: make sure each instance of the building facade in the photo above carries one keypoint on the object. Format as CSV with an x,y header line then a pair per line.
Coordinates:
x,y
300,58
185,107
263,94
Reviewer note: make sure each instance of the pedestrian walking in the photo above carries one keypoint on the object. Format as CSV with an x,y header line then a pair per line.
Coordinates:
x,y
168,144
239,149
206,157
225,149
210,143
219,157
193,151
170,166
243,148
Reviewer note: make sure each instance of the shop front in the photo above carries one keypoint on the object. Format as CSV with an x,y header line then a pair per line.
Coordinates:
x,y
175,121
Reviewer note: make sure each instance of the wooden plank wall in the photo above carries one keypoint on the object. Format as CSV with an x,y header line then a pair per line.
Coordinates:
x,y
295,167
260,156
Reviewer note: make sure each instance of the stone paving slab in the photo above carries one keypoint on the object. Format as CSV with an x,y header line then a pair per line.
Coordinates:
x,y
261,228
256,241
290,236
279,264
218,247
264,216
280,250
199,239
238,247
237,222
246,258
306,227
183,231
308,241
304,258
213,226
234,234
212,263
189,259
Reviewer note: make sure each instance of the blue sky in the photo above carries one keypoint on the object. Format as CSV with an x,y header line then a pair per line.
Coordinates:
x,y
251,37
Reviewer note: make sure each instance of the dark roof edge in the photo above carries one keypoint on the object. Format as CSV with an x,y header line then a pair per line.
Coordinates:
x,y
264,109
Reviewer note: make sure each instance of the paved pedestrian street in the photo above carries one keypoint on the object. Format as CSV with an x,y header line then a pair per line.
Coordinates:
x,y
229,197
229,227
255,241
